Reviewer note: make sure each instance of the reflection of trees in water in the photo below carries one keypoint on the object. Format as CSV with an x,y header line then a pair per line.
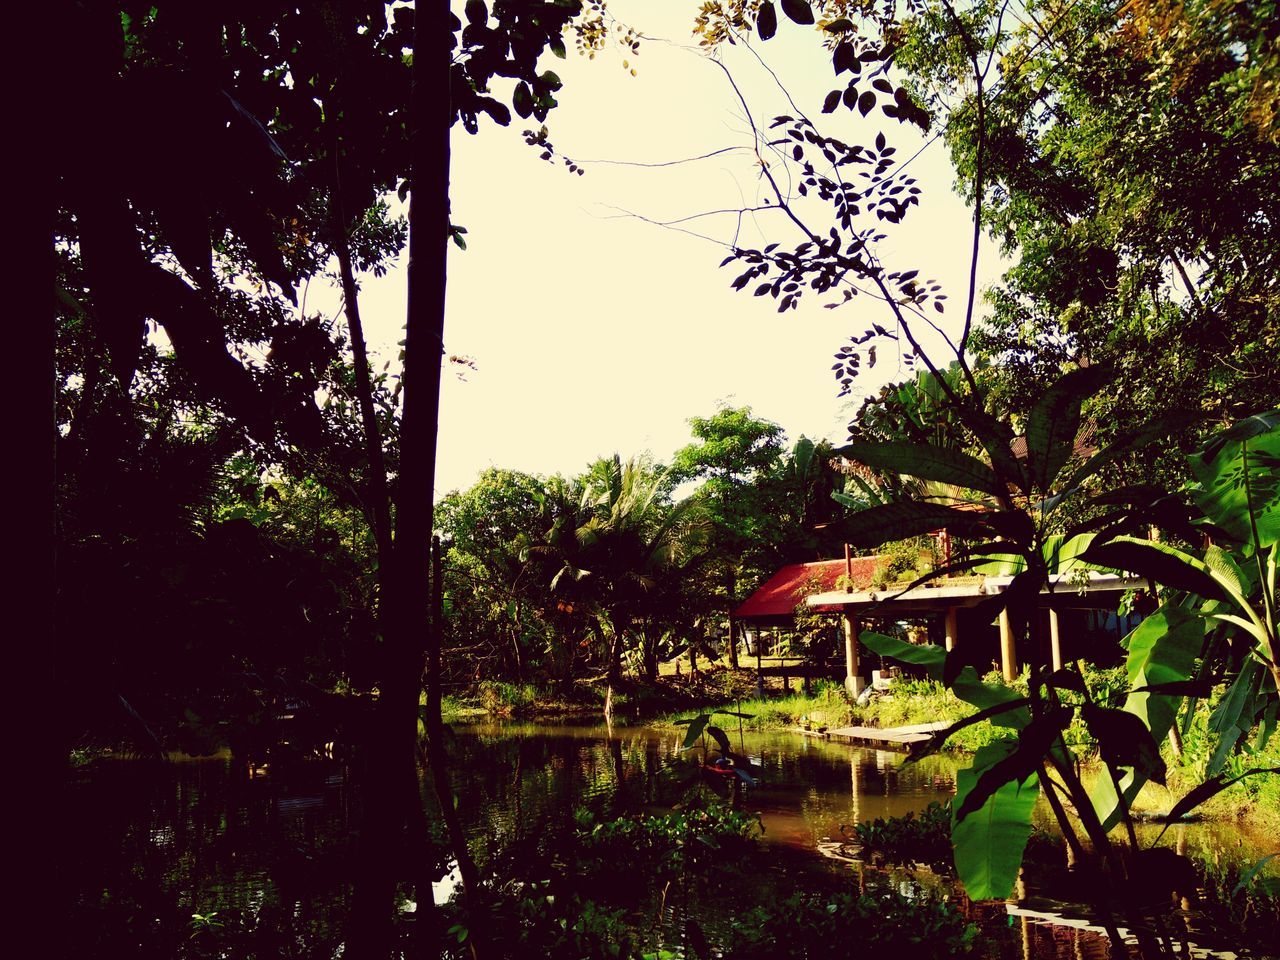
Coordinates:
x,y
156,843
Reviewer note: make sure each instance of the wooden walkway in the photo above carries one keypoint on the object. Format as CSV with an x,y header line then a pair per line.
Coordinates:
x,y
895,738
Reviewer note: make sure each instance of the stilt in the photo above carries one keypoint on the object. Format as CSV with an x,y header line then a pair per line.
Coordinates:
x,y
1008,652
951,628
852,682
1055,645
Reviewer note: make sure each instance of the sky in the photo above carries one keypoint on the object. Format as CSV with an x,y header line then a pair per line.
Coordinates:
x,y
592,331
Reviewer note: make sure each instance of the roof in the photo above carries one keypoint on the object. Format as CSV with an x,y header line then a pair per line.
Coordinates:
x,y
785,590
1098,591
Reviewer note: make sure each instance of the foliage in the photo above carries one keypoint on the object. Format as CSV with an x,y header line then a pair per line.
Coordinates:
x,y
665,845
889,923
908,839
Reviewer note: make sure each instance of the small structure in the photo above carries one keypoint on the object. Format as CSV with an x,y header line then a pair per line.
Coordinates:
x,y
774,603
1095,597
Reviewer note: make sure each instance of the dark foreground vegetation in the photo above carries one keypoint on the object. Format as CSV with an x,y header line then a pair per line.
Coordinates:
x,y
247,557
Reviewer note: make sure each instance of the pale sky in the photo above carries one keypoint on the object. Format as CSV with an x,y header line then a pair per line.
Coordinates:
x,y
593,332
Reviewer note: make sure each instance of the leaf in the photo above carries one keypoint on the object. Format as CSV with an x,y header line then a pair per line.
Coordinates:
x,y
696,726
1246,878
1227,572
897,521
1022,762
1238,476
833,100
1233,717
1204,791
844,58
1160,562
866,102
926,463
971,689
1055,420
989,842
930,656
798,10
522,100
767,20
1124,741
1163,650
720,737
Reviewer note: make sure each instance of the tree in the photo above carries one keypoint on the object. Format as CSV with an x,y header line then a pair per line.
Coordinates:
x,y
628,550
1129,165
499,591
223,206
733,452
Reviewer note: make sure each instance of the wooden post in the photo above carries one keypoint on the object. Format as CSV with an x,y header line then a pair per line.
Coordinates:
x,y
951,628
759,667
852,682
1055,645
1008,652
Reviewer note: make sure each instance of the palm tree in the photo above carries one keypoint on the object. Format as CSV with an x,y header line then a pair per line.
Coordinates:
x,y
627,553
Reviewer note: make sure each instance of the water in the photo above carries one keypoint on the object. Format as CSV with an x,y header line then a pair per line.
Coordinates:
x,y
265,860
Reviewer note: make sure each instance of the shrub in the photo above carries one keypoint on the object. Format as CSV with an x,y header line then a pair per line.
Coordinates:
x,y
830,927
911,838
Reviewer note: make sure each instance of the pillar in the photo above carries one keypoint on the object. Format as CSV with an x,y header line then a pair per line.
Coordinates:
x,y
952,635
852,682
1055,645
1008,652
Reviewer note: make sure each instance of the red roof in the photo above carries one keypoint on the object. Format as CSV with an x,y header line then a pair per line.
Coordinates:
x,y
785,590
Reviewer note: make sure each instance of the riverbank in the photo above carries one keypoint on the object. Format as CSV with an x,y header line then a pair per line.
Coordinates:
x,y
715,689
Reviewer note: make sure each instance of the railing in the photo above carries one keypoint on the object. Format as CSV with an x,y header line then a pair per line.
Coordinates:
x,y
802,668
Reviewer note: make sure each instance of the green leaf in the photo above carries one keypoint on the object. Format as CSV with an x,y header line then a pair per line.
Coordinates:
x,y
1054,422
930,656
1226,570
696,726
970,688
989,842
720,737
1022,761
1160,562
1204,791
927,463
1246,878
1233,717
1124,741
1239,480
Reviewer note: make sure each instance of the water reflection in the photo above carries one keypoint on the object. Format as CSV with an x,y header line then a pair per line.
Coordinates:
x,y
269,857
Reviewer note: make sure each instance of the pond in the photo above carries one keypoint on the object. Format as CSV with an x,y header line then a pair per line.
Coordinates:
x,y
210,858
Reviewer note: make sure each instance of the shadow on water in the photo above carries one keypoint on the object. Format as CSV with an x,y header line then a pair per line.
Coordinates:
x,y
202,858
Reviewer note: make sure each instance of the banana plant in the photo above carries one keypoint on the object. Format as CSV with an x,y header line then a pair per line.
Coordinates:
x,y
1035,505
1219,606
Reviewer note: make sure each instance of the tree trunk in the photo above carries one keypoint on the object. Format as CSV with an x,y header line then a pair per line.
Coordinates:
x,y
733,640
403,601
379,505
613,675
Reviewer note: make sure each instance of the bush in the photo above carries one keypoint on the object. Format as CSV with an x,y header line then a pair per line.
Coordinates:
x,y
911,838
830,927
665,845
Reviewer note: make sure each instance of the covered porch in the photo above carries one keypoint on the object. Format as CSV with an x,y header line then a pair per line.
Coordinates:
x,y
1077,610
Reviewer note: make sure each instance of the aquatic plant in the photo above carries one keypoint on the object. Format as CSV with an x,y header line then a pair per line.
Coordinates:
x,y
818,927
